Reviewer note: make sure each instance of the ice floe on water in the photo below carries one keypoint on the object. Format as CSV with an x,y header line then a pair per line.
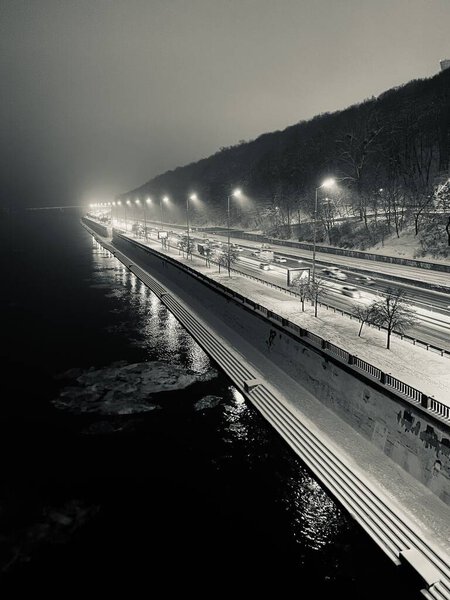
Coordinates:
x,y
124,389
207,402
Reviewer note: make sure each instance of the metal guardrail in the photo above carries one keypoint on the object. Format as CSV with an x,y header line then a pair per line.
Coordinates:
x,y
403,390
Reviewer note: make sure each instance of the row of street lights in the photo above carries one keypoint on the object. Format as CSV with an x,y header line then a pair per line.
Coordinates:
x,y
328,183
192,197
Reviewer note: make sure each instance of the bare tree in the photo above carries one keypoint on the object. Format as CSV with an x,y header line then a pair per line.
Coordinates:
x,y
393,313
301,288
225,257
216,256
231,256
365,314
316,289
442,203
187,245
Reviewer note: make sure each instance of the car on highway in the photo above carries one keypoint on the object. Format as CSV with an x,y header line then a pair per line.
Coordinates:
x,y
265,266
365,279
279,259
255,253
351,291
334,272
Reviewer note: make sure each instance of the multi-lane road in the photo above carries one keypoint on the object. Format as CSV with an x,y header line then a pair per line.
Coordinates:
x,y
432,307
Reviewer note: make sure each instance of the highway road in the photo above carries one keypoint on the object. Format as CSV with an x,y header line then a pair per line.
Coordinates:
x,y
368,267
431,300
432,328
375,285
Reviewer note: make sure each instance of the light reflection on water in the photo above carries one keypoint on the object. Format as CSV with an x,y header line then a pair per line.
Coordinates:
x,y
159,332
316,518
197,359
236,416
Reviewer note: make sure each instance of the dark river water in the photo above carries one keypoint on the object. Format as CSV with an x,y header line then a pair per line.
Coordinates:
x,y
129,460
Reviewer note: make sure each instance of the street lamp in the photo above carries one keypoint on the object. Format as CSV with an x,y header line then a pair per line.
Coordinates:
x,y
148,201
138,203
235,194
326,184
127,203
192,197
161,201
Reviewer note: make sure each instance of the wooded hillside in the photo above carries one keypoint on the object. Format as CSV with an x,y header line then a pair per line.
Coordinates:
x,y
389,155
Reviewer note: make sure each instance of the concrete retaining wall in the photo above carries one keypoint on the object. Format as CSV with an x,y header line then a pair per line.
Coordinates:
x,y
408,435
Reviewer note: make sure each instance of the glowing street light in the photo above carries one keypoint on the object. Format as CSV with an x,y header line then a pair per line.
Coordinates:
x,y
235,194
127,203
147,202
192,197
162,201
137,203
328,183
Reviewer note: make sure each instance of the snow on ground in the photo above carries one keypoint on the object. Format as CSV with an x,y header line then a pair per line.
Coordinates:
x,y
405,246
422,369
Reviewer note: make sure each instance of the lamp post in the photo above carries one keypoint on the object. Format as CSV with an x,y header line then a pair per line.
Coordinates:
x,y
191,197
326,184
235,194
148,201
138,203
127,203
161,201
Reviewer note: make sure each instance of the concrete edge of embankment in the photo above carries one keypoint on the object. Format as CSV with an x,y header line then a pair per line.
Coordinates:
x,y
378,515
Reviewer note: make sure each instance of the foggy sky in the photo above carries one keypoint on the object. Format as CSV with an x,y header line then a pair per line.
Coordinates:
x,y
99,96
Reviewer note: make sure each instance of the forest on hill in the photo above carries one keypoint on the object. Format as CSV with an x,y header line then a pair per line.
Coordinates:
x,y
389,156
